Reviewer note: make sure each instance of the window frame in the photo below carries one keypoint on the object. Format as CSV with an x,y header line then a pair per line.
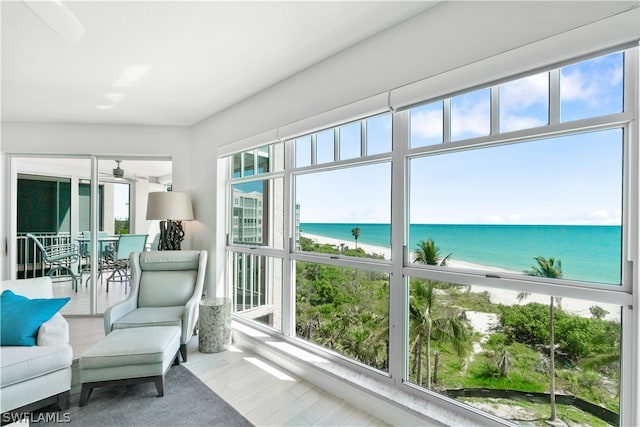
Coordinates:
x,y
400,267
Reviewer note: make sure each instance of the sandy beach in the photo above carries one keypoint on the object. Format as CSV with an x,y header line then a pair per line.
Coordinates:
x,y
371,249
496,296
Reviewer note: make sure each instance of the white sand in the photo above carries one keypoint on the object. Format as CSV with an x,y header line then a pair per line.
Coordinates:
x,y
378,250
496,296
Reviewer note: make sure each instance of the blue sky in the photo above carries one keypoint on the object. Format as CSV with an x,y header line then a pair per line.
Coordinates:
x,y
569,180
121,201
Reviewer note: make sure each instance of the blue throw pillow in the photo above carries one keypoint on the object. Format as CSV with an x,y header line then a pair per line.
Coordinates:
x,y
21,317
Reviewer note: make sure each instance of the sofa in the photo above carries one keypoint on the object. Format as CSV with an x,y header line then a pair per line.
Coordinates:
x,y
35,376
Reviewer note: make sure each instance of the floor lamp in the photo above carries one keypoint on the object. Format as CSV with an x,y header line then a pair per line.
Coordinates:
x,y
171,208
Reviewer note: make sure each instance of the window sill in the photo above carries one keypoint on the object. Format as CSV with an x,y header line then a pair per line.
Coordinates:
x,y
375,396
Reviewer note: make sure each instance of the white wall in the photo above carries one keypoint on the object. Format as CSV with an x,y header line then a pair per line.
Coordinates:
x,y
450,36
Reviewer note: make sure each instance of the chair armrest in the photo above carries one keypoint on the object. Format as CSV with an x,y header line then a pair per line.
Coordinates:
x,y
54,331
190,315
117,311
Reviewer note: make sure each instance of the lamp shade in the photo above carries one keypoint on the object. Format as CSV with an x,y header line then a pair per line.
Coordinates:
x,y
174,205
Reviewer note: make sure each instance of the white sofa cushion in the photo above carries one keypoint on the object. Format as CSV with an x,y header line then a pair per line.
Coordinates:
x,y
54,331
23,363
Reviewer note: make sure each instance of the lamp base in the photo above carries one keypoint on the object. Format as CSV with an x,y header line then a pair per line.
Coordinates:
x,y
171,235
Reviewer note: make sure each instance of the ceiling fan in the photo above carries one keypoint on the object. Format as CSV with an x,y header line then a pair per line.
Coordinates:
x,y
117,174
59,18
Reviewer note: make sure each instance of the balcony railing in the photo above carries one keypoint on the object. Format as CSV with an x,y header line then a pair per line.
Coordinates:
x,y
29,257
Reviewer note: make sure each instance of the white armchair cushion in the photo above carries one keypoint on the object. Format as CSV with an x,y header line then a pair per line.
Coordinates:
x,y
151,316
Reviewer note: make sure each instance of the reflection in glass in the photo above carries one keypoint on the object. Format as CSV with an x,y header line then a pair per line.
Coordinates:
x,y
592,88
524,103
262,154
345,310
249,163
237,165
470,115
254,219
426,124
502,206
486,345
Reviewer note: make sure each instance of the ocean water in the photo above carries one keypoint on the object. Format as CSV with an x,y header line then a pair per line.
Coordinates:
x,y
588,252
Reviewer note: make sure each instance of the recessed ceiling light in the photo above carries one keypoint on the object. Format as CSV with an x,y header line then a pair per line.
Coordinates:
x,y
114,97
131,75
105,107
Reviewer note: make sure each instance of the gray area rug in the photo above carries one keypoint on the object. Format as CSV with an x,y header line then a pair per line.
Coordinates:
x,y
187,401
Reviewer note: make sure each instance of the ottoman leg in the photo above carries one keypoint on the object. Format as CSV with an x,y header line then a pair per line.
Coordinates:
x,y
159,380
183,352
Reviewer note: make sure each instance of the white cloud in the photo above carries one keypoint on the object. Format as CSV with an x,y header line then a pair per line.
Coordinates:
x,y
426,124
470,118
589,87
523,93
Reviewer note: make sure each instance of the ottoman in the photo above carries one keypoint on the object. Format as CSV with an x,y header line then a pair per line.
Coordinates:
x,y
129,356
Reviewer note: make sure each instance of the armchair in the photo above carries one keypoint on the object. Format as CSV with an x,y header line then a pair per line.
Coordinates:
x,y
166,288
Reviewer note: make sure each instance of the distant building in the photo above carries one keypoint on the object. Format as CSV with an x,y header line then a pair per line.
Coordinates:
x,y
247,217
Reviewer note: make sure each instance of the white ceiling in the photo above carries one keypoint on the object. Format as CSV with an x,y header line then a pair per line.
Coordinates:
x,y
193,59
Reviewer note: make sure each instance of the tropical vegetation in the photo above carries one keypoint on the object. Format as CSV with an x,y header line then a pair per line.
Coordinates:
x,y
346,310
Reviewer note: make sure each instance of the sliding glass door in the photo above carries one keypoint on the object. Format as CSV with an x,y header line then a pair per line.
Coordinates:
x,y
83,205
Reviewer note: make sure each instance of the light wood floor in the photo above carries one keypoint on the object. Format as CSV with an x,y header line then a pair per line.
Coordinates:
x,y
79,303
262,392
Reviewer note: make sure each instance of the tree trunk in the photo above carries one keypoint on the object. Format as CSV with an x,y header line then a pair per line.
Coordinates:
x,y
552,354
418,360
436,361
428,355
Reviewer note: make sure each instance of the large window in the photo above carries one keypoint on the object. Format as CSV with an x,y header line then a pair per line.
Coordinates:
x,y
478,251
500,207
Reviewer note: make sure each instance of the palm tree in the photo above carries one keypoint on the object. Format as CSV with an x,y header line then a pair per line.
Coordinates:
x,y
553,269
355,232
428,253
423,325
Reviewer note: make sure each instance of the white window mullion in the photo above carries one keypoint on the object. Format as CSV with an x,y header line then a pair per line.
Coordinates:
x,y
336,144
398,319
288,267
554,96
363,138
495,110
446,120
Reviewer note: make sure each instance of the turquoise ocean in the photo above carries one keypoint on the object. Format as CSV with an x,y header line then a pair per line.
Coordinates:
x,y
589,253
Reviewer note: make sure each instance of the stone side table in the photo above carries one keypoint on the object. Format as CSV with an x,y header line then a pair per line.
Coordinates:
x,y
214,333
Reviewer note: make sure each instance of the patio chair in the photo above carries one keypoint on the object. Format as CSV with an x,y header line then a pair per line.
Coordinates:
x,y
119,261
104,249
58,257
